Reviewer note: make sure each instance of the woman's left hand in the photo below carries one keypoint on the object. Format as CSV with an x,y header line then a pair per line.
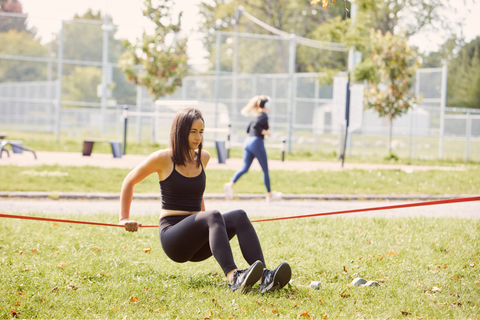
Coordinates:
x,y
130,225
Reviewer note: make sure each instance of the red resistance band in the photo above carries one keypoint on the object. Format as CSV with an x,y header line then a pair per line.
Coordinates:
x,y
399,206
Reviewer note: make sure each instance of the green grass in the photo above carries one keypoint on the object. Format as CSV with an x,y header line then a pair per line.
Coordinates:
x,y
323,151
95,179
96,272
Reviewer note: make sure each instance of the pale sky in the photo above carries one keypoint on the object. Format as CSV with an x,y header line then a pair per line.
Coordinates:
x,y
46,14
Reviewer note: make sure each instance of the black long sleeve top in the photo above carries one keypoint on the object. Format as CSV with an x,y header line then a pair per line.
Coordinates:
x,y
256,127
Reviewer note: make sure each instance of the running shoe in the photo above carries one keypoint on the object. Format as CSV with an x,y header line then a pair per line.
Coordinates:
x,y
276,196
243,280
276,279
228,188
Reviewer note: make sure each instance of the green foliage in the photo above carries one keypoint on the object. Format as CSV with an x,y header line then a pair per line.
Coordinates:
x,y
81,84
163,54
83,41
464,77
58,270
389,15
23,43
298,17
366,71
396,63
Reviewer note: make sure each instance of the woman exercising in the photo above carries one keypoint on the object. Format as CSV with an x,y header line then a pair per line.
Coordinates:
x,y
254,147
187,231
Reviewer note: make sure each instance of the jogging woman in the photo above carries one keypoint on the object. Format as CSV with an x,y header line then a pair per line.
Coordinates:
x,y
187,231
254,147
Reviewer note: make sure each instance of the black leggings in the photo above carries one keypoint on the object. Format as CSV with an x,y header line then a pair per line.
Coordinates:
x,y
198,236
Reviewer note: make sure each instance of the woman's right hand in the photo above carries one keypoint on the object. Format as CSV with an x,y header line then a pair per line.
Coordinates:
x,y
130,225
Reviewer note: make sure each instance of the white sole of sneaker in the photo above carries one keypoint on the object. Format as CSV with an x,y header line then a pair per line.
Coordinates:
x,y
252,277
282,276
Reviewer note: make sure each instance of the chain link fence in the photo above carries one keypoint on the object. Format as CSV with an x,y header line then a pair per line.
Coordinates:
x,y
87,100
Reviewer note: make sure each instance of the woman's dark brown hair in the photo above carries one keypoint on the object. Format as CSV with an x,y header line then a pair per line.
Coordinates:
x,y
181,126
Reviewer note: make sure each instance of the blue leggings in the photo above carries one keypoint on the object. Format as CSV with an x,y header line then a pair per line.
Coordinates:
x,y
254,148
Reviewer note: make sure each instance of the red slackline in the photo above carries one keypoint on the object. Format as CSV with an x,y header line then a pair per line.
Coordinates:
x,y
409,205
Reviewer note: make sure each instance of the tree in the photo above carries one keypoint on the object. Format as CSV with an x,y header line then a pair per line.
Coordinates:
x,y
162,55
12,23
21,43
392,69
81,84
408,15
296,16
84,42
464,76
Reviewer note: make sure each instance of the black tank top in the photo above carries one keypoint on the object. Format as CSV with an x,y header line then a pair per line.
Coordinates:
x,y
183,193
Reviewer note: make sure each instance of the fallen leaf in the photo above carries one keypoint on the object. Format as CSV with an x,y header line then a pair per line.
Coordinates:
x,y
345,295
147,250
275,311
472,265
436,289
14,313
380,257
345,270
391,253
18,303
325,316
457,304
95,249
133,299
55,224
20,252
454,294
380,280
42,299
56,252
20,294
62,265
405,313
156,310
34,251
206,318
306,315
54,289
71,286
259,303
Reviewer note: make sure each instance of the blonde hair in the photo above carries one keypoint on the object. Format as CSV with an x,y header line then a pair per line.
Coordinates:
x,y
253,106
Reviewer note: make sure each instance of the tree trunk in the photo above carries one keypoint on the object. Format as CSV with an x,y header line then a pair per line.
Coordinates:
x,y
390,125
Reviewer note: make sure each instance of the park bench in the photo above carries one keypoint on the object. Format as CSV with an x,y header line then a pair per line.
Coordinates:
x,y
116,147
17,147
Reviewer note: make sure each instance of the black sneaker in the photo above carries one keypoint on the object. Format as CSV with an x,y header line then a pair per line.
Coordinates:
x,y
244,279
275,279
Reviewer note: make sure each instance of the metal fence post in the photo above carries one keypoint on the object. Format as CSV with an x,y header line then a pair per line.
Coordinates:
x,y
291,71
417,95
217,79
139,109
105,27
468,132
58,105
443,104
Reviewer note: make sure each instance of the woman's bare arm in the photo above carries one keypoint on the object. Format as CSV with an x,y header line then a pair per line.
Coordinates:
x,y
154,163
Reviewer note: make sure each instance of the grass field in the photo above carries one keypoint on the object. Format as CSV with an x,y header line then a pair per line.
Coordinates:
x,y
95,179
57,270
324,151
